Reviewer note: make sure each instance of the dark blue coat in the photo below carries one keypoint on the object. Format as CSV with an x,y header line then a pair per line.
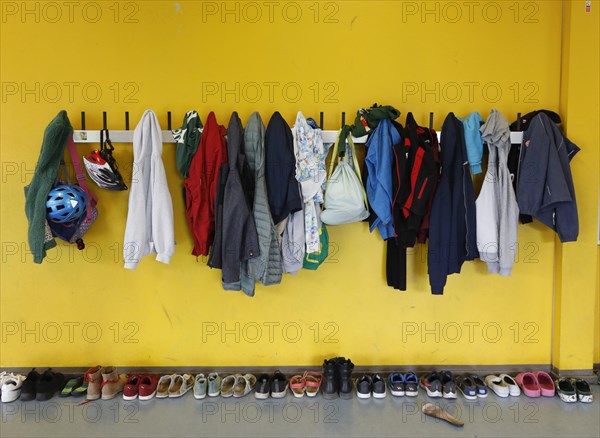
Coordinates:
x,y
452,229
545,184
280,171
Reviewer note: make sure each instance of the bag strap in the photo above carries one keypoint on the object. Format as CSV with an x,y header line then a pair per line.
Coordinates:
x,y
334,156
357,167
93,200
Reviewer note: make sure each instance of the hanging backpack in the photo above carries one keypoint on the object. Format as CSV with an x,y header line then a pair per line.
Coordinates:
x,y
345,197
73,232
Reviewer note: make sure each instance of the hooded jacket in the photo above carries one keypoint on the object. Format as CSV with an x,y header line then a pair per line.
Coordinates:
x,y
497,209
201,185
55,140
280,173
452,228
187,138
473,141
545,186
379,163
149,227
414,180
239,240
265,268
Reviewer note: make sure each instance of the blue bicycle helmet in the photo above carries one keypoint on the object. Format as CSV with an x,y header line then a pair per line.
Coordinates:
x,y
65,203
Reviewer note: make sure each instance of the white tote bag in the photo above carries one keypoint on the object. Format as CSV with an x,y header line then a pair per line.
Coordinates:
x,y
345,197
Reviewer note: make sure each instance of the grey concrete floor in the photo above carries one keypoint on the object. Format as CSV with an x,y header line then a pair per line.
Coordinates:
x,y
315,417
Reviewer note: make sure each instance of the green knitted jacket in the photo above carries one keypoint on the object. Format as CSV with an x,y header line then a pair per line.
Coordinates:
x,y
46,171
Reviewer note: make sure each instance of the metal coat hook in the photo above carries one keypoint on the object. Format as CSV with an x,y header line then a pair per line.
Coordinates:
x,y
104,124
321,122
169,120
430,120
83,120
127,120
518,121
343,118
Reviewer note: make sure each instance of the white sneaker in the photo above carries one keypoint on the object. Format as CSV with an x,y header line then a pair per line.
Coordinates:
x,y
11,387
513,388
498,385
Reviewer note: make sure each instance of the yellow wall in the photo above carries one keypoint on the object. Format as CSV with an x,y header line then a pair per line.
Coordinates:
x,y
575,286
84,308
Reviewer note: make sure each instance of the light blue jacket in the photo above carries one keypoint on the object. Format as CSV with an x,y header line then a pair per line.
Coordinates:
x,y
379,161
473,141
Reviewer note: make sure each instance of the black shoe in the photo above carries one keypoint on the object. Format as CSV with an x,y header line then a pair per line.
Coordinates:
x,y
345,368
330,382
279,385
448,384
48,384
364,386
28,390
263,387
378,386
431,384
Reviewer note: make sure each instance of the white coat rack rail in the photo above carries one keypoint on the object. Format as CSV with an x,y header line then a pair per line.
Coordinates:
x,y
126,136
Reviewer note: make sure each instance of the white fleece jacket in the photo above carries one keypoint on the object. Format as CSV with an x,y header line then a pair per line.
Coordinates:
x,y
149,226
497,208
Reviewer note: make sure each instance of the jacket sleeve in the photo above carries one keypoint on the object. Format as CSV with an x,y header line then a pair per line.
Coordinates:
x,y
134,245
163,233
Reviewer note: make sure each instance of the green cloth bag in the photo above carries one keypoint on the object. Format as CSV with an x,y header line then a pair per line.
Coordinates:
x,y
314,260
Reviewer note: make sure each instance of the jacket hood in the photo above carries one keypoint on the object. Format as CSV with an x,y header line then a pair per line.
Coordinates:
x,y
235,136
495,132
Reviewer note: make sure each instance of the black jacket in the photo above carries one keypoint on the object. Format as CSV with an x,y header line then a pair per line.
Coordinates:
x,y
282,188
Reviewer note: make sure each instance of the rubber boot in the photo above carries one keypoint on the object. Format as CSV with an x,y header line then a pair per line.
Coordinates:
x,y
330,383
345,368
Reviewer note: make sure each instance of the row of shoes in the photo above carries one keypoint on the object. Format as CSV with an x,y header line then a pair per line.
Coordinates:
x,y
335,381
532,384
34,386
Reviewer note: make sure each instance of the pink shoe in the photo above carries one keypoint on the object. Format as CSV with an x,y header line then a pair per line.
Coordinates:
x,y
546,383
529,384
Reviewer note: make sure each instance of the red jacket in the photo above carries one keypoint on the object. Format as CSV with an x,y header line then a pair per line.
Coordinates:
x,y
201,185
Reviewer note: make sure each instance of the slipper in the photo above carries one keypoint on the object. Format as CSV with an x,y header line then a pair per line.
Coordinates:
x,y
312,381
298,385
437,412
529,384
70,386
546,383
80,390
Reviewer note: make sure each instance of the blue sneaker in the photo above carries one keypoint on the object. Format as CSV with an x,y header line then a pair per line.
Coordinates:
x,y
411,385
396,382
467,387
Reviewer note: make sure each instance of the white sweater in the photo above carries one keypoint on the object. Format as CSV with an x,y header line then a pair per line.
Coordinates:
x,y
149,226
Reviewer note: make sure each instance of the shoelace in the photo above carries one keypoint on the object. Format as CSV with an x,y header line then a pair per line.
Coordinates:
x,y
87,374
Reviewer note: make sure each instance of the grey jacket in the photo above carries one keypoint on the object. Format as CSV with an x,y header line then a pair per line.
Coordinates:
x,y
267,267
239,239
497,209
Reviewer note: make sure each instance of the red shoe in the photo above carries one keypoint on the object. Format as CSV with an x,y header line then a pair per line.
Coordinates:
x,y
147,386
130,391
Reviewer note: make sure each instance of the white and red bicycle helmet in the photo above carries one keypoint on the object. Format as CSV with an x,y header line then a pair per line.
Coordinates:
x,y
102,167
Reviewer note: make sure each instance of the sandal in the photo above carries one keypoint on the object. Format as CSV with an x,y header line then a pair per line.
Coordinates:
x,y
297,385
70,386
244,385
312,382
529,384
80,390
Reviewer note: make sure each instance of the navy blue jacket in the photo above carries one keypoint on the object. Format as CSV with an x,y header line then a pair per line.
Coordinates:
x,y
280,171
452,229
545,184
